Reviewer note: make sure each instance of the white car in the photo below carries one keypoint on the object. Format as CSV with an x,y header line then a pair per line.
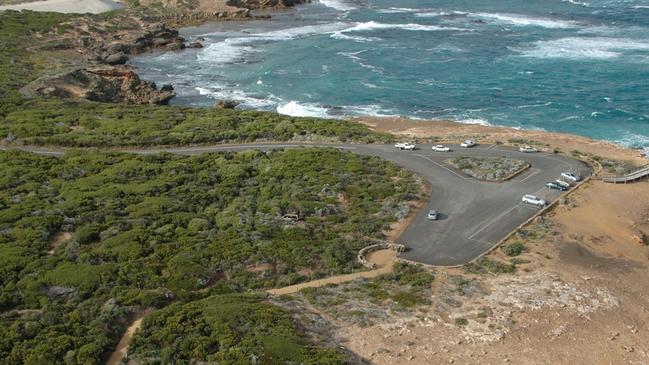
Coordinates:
x,y
570,176
440,148
432,215
562,183
405,146
531,199
468,143
528,149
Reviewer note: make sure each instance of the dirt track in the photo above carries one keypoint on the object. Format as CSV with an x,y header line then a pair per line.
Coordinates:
x,y
382,258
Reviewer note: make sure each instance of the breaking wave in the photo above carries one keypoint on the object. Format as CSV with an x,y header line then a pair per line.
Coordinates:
x,y
585,48
522,20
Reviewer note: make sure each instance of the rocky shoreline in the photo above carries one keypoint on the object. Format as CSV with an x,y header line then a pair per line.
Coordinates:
x,y
100,48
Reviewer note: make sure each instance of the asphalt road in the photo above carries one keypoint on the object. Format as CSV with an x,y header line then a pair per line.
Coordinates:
x,y
473,215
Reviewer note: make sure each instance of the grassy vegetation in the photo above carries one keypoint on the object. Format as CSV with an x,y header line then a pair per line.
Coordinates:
x,y
513,249
363,301
149,230
615,166
19,66
170,232
487,168
485,266
225,329
87,124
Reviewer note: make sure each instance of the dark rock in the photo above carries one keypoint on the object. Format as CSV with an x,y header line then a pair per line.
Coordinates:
x,y
158,42
167,87
116,48
195,45
200,39
176,46
116,59
226,104
57,291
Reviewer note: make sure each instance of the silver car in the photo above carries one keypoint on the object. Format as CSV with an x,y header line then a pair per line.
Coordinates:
x,y
432,215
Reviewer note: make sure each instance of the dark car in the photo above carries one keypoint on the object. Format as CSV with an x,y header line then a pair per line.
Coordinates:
x,y
556,186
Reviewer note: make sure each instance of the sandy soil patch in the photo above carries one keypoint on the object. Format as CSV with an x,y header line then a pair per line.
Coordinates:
x,y
607,219
67,6
57,240
267,266
122,346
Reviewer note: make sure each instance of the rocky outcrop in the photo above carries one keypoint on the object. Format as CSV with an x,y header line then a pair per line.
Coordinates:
x,y
226,104
115,52
118,58
119,84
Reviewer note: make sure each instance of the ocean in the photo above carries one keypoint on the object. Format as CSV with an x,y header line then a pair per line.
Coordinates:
x,y
573,66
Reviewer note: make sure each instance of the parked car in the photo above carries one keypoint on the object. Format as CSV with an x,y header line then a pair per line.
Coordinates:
x,y
468,143
404,146
570,176
528,149
565,184
531,199
432,215
408,147
440,148
556,186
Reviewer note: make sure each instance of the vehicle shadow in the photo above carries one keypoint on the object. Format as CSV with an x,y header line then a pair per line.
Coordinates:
x,y
440,217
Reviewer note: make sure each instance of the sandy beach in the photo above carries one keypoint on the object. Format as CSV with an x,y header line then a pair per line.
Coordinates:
x,y
67,6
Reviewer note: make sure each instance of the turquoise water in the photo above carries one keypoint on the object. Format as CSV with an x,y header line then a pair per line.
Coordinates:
x,y
572,66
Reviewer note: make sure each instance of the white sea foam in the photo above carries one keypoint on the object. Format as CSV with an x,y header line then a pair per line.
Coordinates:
x,y
295,109
585,48
575,2
397,10
338,5
347,37
434,14
526,106
477,121
218,92
224,52
633,140
371,110
372,25
523,20
239,49
296,32
640,7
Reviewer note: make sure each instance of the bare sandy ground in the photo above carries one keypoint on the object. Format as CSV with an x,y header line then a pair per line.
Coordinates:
x,y
122,346
57,240
67,6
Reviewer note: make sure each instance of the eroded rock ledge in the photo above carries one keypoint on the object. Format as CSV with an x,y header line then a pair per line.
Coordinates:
x,y
112,84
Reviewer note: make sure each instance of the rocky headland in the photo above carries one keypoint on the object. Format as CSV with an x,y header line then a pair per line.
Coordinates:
x,y
89,54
